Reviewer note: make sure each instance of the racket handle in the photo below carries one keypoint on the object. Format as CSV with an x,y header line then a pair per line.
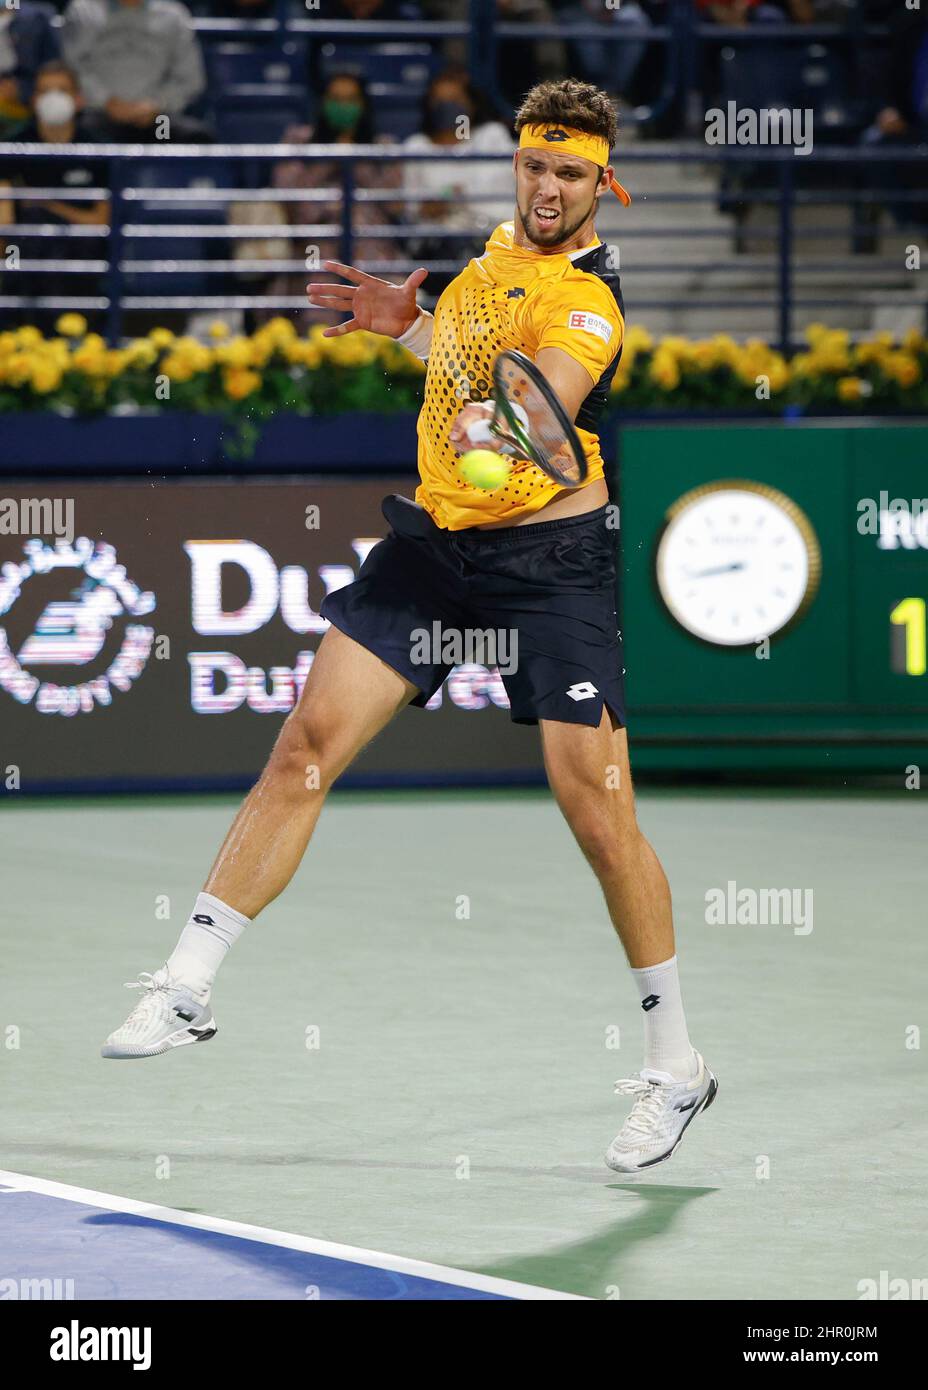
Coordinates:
x,y
481,431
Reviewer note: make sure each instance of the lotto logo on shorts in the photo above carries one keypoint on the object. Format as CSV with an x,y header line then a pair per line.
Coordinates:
x,y
582,690
591,323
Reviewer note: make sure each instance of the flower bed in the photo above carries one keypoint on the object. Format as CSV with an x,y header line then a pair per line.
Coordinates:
x,y
251,379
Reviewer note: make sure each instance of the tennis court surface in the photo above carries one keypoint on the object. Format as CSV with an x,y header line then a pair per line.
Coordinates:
x,y
410,1091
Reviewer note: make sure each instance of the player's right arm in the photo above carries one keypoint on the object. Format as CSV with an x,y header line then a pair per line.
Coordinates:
x,y
374,305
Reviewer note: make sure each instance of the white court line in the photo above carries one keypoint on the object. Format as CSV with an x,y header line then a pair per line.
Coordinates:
x,y
397,1264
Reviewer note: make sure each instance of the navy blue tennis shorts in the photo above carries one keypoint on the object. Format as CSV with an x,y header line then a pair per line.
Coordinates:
x,y
539,600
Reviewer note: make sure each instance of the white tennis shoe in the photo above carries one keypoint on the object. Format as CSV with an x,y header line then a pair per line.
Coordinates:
x,y
659,1117
166,1016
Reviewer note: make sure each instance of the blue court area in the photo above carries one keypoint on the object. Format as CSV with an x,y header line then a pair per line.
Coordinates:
x,y
52,1246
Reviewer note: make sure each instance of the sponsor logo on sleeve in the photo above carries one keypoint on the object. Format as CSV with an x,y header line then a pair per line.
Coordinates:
x,y
590,323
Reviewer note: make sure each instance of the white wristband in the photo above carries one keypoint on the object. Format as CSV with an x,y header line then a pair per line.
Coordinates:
x,y
480,433
418,336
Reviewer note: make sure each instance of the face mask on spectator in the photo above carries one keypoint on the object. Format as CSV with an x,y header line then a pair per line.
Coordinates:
x,y
341,114
55,108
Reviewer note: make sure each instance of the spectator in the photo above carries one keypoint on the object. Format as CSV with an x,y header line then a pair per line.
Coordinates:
x,y
345,118
898,78
523,63
898,75
820,11
243,9
56,119
27,41
453,117
612,64
737,14
137,60
383,11
369,9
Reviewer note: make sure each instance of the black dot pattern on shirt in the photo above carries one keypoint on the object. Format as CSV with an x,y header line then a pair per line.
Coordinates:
x,y
474,322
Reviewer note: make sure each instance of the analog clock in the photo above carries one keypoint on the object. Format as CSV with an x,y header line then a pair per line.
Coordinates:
x,y
737,562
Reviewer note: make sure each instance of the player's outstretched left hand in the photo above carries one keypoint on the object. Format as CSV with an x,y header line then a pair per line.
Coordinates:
x,y
375,305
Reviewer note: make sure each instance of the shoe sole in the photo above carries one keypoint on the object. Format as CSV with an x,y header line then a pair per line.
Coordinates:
x,y
121,1052
704,1104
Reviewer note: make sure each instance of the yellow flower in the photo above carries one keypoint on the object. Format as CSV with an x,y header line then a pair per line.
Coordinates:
x,y
28,336
278,331
664,371
71,326
351,349
58,350
778,372
177,367
638,339
116,360
850,388
727,350
90,357
804,364
141,352
46,376
239,382
914,341
902,368
867,352
18,368
161,337
305,354
195,354
238,352
219,330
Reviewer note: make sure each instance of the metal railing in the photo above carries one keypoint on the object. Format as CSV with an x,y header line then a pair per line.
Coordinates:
x,y
126,227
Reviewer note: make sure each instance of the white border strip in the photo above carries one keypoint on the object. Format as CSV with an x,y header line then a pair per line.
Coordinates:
x,y
353,1254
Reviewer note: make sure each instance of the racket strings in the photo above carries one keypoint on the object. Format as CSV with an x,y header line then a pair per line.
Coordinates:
x,y
548,440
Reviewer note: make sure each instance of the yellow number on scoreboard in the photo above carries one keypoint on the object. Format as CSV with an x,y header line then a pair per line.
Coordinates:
x,y
910,614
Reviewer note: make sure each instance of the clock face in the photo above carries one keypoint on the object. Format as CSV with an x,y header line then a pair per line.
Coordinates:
x,y
737,562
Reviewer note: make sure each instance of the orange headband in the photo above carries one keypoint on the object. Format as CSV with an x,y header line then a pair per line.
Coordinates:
x,y
592,147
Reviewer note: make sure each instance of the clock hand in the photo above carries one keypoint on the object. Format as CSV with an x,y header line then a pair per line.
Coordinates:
x,y
716,569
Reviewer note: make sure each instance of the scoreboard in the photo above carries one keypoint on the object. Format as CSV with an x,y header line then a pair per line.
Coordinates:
x,y
775,587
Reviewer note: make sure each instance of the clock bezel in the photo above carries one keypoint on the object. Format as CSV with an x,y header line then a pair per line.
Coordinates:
x,y
795,514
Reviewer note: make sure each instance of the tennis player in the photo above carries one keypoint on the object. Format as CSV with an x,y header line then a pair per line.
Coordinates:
x,y
532,558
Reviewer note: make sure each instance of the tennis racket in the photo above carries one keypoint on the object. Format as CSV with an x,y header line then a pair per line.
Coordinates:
x,y
530,422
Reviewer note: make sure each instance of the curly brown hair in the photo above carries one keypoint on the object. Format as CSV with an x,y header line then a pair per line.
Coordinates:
x,y
569,102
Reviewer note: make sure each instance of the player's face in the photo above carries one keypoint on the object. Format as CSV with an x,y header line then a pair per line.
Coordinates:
x,y
555,195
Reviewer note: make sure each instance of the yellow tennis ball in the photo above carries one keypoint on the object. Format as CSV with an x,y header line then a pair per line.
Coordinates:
x,y
483,468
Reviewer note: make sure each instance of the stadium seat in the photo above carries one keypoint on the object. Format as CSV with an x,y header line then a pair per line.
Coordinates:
x,y
824,83
237,64
397,111
174,173
259,113
413,65
755,76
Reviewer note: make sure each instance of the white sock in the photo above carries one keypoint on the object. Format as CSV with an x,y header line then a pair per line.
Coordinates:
x,y
667,1046
211,929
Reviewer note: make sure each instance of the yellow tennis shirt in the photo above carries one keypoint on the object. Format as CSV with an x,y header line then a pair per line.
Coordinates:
x,y
511,297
